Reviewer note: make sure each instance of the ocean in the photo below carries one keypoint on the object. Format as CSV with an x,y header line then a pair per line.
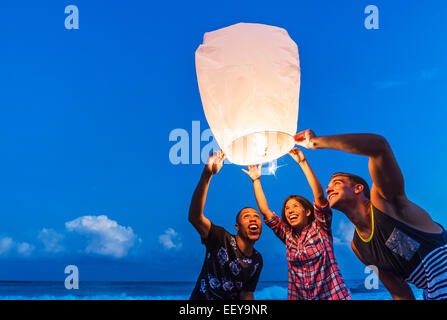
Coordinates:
x,y
266,290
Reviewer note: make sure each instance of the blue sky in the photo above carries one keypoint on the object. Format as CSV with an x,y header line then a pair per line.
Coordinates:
x,y
85,118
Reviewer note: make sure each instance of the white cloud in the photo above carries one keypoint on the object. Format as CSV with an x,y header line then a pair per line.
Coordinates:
x,y
8,245
343,234
170,239
25,249
5,245
51,240
105,237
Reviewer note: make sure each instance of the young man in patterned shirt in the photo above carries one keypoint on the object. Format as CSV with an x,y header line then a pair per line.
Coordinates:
x,y
232,265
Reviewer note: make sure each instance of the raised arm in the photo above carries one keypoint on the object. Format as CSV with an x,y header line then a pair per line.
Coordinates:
x,y
314,183
254,172
385,172
196,216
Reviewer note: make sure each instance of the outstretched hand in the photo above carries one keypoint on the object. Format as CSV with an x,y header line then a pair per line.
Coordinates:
x,y
215,162
297,155
254,172
304,139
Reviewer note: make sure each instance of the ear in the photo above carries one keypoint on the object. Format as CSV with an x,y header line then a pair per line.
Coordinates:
x,y
358,188
237,227
308,212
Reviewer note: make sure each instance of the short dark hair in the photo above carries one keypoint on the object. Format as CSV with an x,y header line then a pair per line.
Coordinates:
x,y
355,180
307,205
239,213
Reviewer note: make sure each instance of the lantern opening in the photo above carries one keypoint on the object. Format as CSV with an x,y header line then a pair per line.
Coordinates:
x,y
259,147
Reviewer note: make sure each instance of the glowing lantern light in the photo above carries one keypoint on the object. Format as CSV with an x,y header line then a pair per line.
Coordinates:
x,y
249,82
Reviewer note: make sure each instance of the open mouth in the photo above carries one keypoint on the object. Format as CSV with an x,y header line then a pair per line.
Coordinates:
x,y
253,228
293,217
331,196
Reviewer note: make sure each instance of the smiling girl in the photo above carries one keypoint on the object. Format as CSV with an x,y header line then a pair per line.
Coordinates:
x,y
305,229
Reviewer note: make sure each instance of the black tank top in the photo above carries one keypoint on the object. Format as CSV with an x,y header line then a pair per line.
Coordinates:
x,y
396,247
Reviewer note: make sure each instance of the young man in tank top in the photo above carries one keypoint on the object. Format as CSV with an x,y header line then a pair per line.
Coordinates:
x,y
392,233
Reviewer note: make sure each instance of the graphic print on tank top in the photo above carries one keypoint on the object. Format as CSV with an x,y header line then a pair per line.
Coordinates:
x,y
402,244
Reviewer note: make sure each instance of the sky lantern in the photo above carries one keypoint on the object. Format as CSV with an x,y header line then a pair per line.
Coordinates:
x,y
249,82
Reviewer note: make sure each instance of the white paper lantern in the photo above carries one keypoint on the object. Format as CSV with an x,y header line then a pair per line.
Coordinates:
x,y
249,82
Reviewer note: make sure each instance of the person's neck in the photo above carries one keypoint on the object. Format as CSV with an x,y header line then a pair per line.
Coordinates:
x,y
298,229
245,245
359,213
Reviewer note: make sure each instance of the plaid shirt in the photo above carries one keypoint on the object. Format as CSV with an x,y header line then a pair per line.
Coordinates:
x,y
313,271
